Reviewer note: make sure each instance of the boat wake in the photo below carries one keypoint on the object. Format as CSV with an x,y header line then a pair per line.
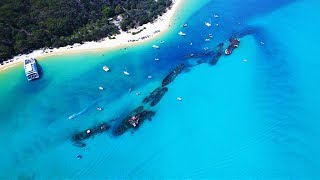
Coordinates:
x,y
74,115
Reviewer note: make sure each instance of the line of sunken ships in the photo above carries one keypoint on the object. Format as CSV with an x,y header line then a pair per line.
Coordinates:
x,y
137,116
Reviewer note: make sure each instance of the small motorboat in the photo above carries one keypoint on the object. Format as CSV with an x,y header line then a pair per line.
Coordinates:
x,y
161,42
156,59
190,44
126,72
105,68
149,77
185,25
215,15
182,33
207,40
155,46
179,98
72,116
206,48
99,108
101,88
207,24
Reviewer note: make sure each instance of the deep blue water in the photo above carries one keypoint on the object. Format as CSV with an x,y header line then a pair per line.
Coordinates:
x,y
237,119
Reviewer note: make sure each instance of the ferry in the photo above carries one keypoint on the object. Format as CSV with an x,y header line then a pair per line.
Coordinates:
x,y
30,68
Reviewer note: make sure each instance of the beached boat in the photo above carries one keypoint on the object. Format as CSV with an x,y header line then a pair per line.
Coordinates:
x,y
105,68
30,68
182,33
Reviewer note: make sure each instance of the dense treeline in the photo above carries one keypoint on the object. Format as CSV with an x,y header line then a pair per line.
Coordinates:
x,y
26,25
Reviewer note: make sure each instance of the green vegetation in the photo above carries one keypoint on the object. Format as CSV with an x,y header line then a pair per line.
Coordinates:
x,y
26,25
137,32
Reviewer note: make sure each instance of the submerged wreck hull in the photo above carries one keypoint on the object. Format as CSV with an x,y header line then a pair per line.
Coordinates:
x,y
217,55
172,75
83,135
125,124
155,96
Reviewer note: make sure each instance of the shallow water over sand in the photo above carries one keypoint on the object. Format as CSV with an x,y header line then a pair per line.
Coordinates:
x,y
255,118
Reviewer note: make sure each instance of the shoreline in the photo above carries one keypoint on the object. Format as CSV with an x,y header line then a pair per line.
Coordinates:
x,y
123,40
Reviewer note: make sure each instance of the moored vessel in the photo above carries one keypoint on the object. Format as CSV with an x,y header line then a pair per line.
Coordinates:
x,y
31,70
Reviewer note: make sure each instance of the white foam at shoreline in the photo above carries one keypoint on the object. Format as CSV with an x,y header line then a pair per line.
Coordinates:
x,y
124,39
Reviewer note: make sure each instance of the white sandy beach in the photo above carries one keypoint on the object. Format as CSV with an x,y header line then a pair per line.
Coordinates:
x,y
124,39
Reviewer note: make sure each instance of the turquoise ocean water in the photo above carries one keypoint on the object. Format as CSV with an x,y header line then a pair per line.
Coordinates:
x,y
237,119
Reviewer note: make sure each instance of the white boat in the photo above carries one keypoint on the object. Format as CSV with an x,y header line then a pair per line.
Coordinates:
x,y
72,116
99,108
161,42
179,98
185,25
207,40
105,68
206,48
216,15
207,24
126,72
182,33
156,59
30,68
155,46
101,88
